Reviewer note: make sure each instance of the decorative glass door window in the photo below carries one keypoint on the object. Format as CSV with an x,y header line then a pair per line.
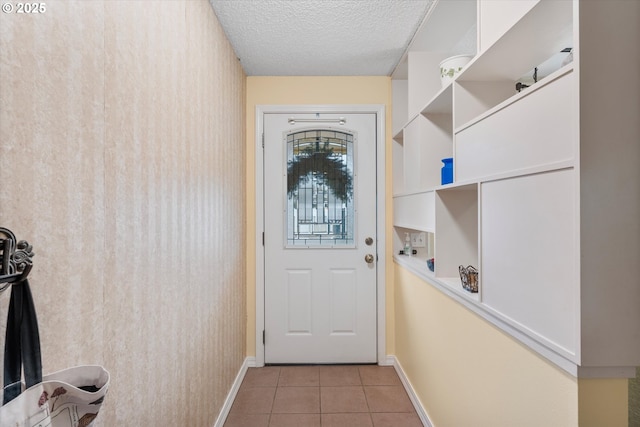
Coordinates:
x,y
320,179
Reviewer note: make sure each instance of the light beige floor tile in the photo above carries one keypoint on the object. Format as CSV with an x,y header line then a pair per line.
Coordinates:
x,y
295,420
343,399
347,420
247,420
388,398
379,375
404,419
297,400
254,400
299,376
261,377
339,375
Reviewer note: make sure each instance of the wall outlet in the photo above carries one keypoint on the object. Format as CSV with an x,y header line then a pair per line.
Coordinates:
x,y
418,240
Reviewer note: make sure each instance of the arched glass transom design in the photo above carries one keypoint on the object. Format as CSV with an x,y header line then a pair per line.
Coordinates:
x,y
320,180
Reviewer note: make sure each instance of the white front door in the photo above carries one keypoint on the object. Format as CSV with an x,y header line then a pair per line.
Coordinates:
x,y
320,238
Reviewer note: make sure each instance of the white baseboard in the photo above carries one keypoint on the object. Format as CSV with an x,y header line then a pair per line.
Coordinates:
x,y
422,414
249,362
388,361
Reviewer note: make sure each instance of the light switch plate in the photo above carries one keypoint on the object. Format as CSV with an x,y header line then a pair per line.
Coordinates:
x,y
418,240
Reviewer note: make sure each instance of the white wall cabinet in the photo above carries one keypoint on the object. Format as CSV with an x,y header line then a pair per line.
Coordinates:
x,y
546,194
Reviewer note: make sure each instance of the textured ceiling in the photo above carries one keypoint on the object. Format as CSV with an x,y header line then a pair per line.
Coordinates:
x,y
320,37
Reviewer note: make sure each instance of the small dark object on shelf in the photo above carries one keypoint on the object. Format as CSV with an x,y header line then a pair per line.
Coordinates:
x,y
469,277
520,86
431,263
413,252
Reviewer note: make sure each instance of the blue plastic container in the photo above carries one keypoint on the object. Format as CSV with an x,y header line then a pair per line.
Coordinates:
x,y
446,176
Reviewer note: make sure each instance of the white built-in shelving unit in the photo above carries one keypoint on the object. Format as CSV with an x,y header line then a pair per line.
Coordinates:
x,y
544,179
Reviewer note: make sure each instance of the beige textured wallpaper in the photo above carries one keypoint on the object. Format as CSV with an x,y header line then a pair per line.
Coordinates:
x,y
122,163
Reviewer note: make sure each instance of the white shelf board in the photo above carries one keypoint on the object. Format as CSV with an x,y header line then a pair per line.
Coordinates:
x,y
455,284
414,227
411,193
441,103
544,31
399,136
458,186
518,96
555,166
469,184
400,133
417,265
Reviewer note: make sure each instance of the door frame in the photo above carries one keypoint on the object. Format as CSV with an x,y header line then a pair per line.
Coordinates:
x,y
379,110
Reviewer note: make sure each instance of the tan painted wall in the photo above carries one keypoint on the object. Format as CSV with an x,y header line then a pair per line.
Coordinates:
x,y
314,91
603,402
634,400
122,162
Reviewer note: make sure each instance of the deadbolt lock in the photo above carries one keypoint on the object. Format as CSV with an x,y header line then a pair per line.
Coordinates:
x,y
368,241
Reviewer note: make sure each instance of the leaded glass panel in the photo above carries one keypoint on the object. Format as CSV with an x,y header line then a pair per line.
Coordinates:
x,y
320,179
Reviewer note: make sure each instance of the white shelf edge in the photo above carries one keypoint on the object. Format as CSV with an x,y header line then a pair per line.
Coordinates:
x,y
418,268
484,312
399,136
515,173
451,284
446,106
518,96
455,285
412,193
411,118
458,186
414,227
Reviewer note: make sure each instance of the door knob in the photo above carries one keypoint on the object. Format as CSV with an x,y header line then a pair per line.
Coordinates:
x,y
368,258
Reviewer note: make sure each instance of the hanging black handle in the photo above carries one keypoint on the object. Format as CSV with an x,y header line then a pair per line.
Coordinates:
x,y
22,343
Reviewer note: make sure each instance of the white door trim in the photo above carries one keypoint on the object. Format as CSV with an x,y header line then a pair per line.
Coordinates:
x,y
379,110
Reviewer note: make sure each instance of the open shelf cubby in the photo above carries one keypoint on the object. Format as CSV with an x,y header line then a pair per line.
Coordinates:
x,y
456,230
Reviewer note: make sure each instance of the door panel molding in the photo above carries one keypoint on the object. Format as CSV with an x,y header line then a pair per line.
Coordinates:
x,y
377,109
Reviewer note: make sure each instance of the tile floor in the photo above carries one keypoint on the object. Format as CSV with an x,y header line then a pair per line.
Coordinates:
x,y
325,395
